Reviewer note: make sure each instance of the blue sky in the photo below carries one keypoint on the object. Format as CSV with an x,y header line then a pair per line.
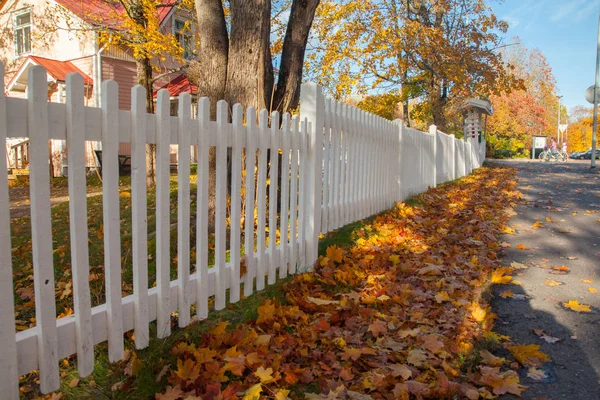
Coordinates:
x,y
565,31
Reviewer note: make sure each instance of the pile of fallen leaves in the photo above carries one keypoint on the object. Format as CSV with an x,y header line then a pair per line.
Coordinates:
x,y
398,315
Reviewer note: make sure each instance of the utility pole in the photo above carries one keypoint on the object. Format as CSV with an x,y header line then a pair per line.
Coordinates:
x,y
558,124
596,94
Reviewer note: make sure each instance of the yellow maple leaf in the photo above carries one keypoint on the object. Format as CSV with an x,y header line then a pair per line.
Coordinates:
x,y
266,312
282,394
253,393
188,370
528,355
592,290
478,313
442,296
522,247
501,382
265,375
395,259
499,277
334,253
324,262
552,282
575,306
537,224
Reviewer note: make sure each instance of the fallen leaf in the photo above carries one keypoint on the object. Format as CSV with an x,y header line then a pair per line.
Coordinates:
x,y
506,294
171,393
552,282
575,306
522,247
587,281
321,302
536,374
592,290
334,253
253,393
547,338
528,355
265,375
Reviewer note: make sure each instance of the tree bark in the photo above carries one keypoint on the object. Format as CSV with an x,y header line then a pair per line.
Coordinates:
x,y
287,95
144,77
250,75
209,73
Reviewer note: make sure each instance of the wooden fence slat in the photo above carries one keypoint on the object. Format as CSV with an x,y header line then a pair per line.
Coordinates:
x,y
202,210
273,180
112,219
295,139
41,230
264,140
80,260
163,213
139,216
327,165
221,205
303,195
183,207
343,172
250,204
9,376
284,224
236,183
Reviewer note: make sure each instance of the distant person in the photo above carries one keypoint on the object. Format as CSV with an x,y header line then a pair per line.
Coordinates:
x,y
564,147
554,148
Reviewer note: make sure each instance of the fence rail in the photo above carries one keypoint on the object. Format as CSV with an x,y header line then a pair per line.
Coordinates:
x,y
337,165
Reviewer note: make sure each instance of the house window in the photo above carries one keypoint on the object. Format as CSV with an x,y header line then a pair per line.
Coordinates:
x,y
185,37
23,33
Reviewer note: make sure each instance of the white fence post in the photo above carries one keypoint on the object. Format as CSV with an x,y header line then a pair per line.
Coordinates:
x,y
9,376
41,230
312,108
433,131
80,261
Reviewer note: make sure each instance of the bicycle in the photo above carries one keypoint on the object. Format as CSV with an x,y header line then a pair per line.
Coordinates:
x,y
560,155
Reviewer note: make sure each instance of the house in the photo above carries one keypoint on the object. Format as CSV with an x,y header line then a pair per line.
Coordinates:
x,y
59,35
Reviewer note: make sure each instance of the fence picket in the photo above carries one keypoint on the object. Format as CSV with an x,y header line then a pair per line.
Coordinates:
x,y
295,139
139,216
263,140
221,206
327,165
80,266
284,222
9,376
236,183
41,230
273,186
163,213
302,195
111,220
202,210
183,207
250,204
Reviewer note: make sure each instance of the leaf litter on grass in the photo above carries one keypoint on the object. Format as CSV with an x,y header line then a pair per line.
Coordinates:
x,y
390,317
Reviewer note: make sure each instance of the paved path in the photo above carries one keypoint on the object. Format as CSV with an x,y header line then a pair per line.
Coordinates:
x,y
565,199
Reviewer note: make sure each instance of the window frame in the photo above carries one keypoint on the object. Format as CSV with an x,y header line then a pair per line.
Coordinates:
x,y
23,27
183,33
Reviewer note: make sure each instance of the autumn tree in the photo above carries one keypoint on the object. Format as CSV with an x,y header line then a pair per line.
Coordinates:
x,y
528,111
439,52
580,129
235,60
134,25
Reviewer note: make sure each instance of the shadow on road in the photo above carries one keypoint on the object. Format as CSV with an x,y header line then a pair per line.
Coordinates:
x,y
558,223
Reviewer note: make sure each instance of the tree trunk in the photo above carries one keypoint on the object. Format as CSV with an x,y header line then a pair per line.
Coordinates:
x,y
144,77
437,100
287,95
209,72
250,72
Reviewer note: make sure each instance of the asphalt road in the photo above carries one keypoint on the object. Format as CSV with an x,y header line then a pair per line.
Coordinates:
x,y
565,199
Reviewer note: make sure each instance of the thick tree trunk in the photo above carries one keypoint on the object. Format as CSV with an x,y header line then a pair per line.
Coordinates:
x,y
437,100
209,72
287,95
250,71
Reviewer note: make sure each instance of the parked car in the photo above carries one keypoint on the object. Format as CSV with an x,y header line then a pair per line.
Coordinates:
x,y
575,154
587,155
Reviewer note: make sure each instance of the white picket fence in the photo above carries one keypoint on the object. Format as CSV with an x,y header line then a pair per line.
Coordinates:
x,y
338,164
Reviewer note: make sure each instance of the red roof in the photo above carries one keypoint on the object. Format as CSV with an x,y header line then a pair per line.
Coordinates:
x,y
60,69
179,84
106,12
